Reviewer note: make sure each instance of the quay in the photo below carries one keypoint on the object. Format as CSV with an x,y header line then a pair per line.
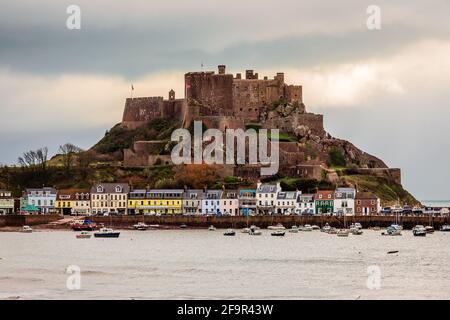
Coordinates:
x,y
263,221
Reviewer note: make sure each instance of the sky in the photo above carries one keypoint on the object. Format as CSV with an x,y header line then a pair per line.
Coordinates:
x,y
385,90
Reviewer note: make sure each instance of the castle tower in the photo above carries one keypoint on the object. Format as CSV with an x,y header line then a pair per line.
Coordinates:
x,y
171,94
221,68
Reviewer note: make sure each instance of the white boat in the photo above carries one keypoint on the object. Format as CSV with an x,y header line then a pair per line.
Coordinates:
x,y
278,233
229,232
326,228
255,231
343,232
445,228
140,226
212,228
279,226
397,227
419,231
315,227
356,231
294,229
306,227
429,229
245,230
83,235
27,229
392,231
154,226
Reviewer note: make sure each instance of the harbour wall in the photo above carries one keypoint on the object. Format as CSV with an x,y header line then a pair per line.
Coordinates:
x,y
30,220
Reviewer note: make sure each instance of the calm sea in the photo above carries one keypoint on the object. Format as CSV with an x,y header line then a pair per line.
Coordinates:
x,y
436,203
193,264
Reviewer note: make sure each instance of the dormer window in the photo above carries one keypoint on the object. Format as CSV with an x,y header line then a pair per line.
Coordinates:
x,y
119,189
100,189
329,196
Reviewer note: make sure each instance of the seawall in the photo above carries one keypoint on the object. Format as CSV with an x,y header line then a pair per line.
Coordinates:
x,y
30,220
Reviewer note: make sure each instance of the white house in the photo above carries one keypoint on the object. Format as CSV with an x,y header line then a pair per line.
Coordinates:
x,y
266,196
229,203
42,198
344,201
305,204
211,202
286,202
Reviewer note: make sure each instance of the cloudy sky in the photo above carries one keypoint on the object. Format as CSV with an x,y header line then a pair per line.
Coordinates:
x,y
385,90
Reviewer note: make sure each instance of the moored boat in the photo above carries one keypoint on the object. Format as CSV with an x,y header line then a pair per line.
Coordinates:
x,y
106,233
306,227
294,229
255,231
212,228
83,235
343,232
419,231
429,229
27,229
279,226
278,233
84,225
315,227
445,228
245,230
326,228
140,226
391,231
183,226
332,231
229,232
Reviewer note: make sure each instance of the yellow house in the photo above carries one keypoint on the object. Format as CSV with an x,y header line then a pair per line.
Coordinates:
x,y
155,201
73,201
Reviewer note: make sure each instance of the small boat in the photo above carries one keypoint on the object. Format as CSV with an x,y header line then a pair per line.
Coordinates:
x,y
83,235
279,226
306,227
429,229
343,233
27,229
326,228
419,231
83,225
229,232
396,226
106,233
212,228
140,226
278,233
333,231
153,226
445,228
356,231
254,231
315,227
183,226
294,229
391,231
245,230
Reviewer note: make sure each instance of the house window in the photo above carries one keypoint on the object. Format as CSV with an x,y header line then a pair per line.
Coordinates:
x,y
100,189
118,189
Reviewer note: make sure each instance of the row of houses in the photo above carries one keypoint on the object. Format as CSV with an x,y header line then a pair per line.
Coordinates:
x,y
269,199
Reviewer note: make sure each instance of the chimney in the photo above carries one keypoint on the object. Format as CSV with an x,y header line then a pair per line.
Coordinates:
x,y
238,76
248,74
221,68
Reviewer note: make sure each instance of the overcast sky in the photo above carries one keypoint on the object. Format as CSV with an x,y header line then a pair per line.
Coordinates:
x,y
385,90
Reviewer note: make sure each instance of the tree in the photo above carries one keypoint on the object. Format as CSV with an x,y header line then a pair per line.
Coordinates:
x,y
336,157
68,150
34,158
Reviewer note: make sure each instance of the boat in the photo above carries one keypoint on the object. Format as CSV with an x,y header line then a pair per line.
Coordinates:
x,y
445,228
315,227
153,226
27,229
278,233
397,226
255,231
326,228
183,226
429,229
343,232
279,226
229,232
83,235
212,228
333,231
391,231
294,229
356,229
306,227
245,230
84,225
140,226
106,233
419,231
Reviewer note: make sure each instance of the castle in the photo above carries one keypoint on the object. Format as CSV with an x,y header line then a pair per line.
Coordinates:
x,y
225,101
222,100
